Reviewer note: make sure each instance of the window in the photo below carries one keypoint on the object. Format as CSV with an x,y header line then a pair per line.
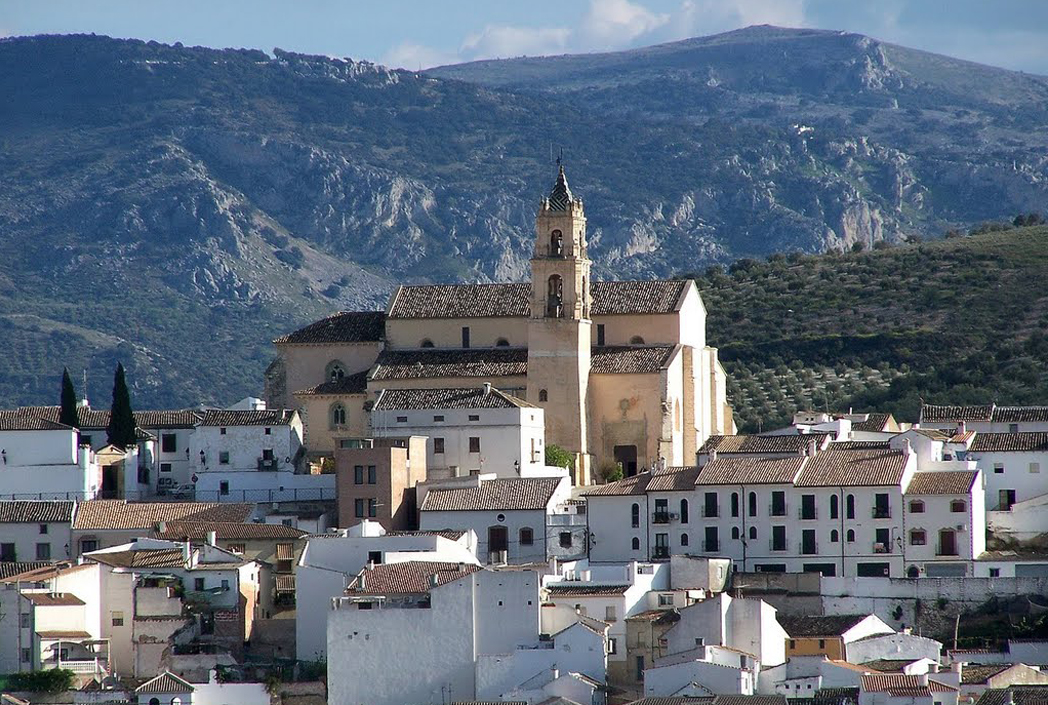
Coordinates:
x,y
426,343
268,431
165,467
835,506
918,537
808,507
358,474
556,244
438,445
613,646
665,599
168,443
501,343
684,539
916,506
778,538
752,500
822,643
474,444
335,371
753,533
635,515
881,508
198,584
543,395
465,336
1035,467
555,297
734,532
117,618
684,510
565,539
237,548
850,536
223,457
609,614
438,419
735,504
86,546
636,340
635,543
358,508
849,506
27,656
778,503
223,487
793,644
372,508
338,414
222,431
267,454
995,572
600,334
372,475
154,701
43,529
709,506
527,536
998,468
835,536
402,419
43,551
712,542
958,506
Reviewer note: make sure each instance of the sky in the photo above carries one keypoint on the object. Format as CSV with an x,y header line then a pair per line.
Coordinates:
x,y
422,33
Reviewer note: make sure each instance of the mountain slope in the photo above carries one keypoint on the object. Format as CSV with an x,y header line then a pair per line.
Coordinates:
x,y
176,208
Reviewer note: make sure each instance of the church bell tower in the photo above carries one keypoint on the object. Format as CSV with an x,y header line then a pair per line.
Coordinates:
x,y
559,331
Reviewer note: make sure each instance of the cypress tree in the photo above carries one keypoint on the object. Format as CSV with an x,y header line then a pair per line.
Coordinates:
x,y
121,430
68,414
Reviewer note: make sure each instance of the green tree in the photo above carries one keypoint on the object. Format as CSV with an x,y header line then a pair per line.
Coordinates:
x,y
68,414
558,457
53,680
121,430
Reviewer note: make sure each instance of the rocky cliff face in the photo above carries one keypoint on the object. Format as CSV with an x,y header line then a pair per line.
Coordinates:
x,y
179,207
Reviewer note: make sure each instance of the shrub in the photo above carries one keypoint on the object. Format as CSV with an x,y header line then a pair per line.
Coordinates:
x,y
558,457
610,471
54,680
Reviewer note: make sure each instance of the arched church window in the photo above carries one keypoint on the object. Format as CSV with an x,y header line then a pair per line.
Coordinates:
x,y
556,244
338,415
636,340
501,343
335,371
543,395
426,343
555,297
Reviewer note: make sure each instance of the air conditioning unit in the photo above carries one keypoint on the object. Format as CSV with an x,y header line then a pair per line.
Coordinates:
x,y
960,527
673,517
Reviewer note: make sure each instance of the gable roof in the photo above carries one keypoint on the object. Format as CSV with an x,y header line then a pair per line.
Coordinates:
x,y
1025,441
35,511
673,480
349,384
901,685
616,298
165,683
9,569
225,530
742,443
856,468
140,558
342,327
408,578
630,359
577,589
948,482
523,493
875,422
19,420
450,362
1014,695
247,417
120,514
97,419
455,398
748,470
818,626
633,485
461,301
977,673
935,413
53,599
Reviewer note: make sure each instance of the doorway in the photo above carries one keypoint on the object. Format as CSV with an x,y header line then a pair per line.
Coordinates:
x,y
626,456
498,539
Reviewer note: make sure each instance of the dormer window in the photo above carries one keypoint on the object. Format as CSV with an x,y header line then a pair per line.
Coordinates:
x,y
335,371
556,244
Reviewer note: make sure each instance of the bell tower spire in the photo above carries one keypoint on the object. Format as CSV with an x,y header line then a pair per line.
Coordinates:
x,y
559,330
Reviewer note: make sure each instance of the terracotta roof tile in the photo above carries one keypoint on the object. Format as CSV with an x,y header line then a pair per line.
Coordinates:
x,y
343,327
787,443
96,419
409,578
948,482
455,398
226,530
53,599
628,359
748,470
887,682
810,626
933,413
9,569
18,420
637,297
523,493
165,683
1010,442
855,468
978,673
119,514
142,558
462,301
35,512
1014,695
1019,414
576,589
433,362
859,445
245,417
635,485
673,480
449,534
350,384
874,423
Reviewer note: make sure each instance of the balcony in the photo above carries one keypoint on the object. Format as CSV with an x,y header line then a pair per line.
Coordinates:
x,y
809,548
811,514
777,510
946,551
778,546
882,513
710,546
661,552
879,547
710,511
660,518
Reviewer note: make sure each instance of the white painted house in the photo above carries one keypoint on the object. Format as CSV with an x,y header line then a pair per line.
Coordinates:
x,y
36,530
986,418
41,459
508,515
470,430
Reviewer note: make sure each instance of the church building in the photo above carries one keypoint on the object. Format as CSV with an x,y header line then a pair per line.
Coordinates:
x,y
620,368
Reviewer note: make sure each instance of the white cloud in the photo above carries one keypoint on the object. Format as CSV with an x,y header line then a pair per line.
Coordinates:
x,y
412,57
612,24
699,17
506,41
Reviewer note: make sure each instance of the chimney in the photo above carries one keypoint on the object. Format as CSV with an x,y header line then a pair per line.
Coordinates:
x,y
933,668
487,389
962,427
924,679
462,567
811,447
185,553
362,581
712,455
212,538
434,581
161,527
554,671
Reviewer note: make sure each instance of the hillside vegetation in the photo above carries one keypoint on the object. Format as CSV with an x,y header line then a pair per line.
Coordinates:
x,y
960,320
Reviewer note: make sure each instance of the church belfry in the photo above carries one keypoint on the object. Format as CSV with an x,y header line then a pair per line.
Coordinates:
x,y
559,329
